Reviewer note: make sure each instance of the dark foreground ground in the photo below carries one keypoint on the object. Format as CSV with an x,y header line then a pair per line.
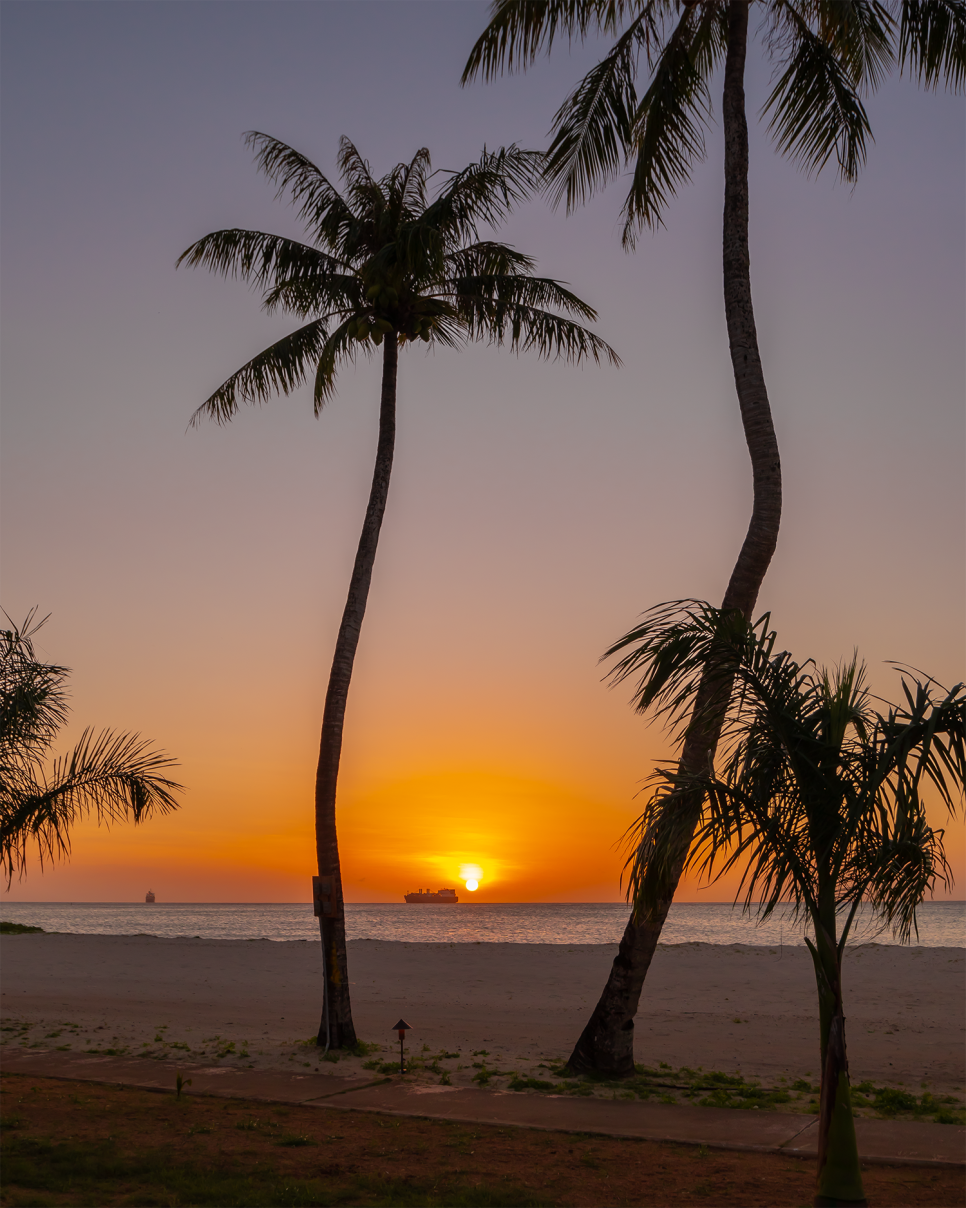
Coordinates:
x,y
79,1143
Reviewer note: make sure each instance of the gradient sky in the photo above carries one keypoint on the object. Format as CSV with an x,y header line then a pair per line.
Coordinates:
x,y
196,578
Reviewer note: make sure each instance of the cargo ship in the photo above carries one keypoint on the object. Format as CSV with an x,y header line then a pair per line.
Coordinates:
x,y
149,896
427,895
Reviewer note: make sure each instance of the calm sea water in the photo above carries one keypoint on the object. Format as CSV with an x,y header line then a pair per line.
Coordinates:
x,y
941,924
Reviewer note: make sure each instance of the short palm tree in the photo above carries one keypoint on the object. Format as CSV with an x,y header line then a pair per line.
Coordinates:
x,y
827,55
116,777
818,801
387,264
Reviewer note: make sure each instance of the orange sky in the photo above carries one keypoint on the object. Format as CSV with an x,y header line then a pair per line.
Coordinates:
x,y
197,577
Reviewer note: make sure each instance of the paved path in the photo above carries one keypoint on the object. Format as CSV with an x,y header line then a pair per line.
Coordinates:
x,y
892,1142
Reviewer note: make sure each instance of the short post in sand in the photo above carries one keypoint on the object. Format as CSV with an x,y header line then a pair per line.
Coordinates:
x,y
402,1028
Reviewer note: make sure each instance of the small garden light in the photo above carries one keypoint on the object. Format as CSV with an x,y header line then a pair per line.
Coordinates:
x,y
402,1028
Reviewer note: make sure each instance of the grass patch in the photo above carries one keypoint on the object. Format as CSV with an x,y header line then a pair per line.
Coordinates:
x,y
93,1175
8,928
892,1103
122,1147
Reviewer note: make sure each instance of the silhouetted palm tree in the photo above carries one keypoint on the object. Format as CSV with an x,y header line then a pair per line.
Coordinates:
x,y
828,54
818,802
114,776
388,265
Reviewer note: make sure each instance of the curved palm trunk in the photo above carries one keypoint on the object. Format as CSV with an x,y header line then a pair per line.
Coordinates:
x,y
606,1045
337,1029
839,1168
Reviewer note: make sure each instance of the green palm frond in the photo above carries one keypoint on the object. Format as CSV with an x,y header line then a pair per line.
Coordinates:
x,y
114,776
932,41
816,792
815,108
281,367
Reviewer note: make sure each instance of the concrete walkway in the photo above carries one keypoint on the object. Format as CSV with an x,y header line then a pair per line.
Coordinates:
x,y
889,1142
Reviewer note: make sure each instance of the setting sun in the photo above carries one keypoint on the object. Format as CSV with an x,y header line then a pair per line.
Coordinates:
x,y
471,875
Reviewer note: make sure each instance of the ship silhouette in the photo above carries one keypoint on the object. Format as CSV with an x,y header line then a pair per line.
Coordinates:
x,y
428,896
149,896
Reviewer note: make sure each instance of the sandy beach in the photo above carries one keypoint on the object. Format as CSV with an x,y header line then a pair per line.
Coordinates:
x,y
733,1009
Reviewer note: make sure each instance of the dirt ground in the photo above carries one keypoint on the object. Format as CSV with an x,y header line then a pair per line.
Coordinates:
x,y
82,1143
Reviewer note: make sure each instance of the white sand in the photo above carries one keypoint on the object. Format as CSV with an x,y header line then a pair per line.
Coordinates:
x,y
731,1008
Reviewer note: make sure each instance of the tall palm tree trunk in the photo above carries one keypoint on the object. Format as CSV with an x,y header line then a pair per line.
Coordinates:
x,y
337,1029
606,1045
839,1168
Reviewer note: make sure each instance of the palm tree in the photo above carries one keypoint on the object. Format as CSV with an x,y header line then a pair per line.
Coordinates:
x,y
819,802
387,265
828,53
114,776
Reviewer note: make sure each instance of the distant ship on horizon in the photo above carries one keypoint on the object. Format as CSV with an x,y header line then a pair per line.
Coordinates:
x,y
149,896
427,895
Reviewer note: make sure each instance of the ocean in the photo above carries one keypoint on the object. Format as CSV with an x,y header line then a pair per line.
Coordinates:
x,y
941,924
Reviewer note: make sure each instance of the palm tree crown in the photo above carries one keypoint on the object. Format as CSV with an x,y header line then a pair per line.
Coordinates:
x,y
819,801
828,55
388,260
114,776
389,265
820,797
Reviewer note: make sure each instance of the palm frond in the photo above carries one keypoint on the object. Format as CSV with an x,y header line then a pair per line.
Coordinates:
x,y
592,128
674,647
667,134
33,697
483,193
321,207
114,776
337,349
478,296
525,328
860,33
932,41
361,186
814,794
519,30
486,258
407,182
282,367
404,269
256,257
305,295
815,108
